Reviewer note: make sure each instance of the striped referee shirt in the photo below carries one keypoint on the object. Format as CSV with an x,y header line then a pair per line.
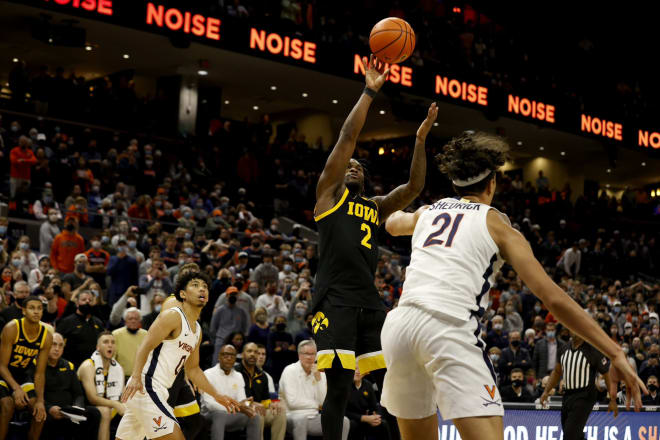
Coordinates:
x,y
579,366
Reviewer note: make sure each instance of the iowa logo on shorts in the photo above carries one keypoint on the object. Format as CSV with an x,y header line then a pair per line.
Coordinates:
x,y
320,322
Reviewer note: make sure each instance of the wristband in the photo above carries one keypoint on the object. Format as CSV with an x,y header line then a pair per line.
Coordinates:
x,y
369,92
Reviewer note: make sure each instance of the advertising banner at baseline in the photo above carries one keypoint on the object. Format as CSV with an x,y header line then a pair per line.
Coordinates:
x,y
546,425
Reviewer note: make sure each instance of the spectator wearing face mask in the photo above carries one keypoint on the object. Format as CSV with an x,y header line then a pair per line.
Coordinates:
x,y
48,231
514,356
80,329
127,340
254,251
495,354
513,321
546,351
243,301
516,392
265,271
37,275
497,337
123,272
287,270
296,316
260,330
281,349
98,260
66,245
272,302
156,282
156,305
653,398
651,366
132,250
226,319
41,208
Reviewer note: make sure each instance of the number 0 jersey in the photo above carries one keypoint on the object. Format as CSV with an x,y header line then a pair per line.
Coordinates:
x,y
168,359
453,261
348,248
24,350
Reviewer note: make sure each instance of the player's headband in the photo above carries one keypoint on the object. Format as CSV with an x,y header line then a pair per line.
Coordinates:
x,y
472,180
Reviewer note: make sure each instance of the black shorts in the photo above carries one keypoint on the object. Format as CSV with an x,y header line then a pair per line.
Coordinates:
x,y
350,333
24,380
182,398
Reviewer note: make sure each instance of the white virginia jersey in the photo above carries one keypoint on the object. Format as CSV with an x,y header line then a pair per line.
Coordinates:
x,y
454,260
166,361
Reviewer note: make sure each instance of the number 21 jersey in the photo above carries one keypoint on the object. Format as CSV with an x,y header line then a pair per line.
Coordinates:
x,y
168,358
453,261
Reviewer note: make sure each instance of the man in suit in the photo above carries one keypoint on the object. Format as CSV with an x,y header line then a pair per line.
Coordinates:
x,y
546,351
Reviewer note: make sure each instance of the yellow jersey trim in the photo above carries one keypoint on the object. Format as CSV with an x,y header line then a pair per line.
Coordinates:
x,y
18,330
26,335
334,208
371,363
186,410
43,338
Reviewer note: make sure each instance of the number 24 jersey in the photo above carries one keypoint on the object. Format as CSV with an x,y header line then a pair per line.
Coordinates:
x,y
453,261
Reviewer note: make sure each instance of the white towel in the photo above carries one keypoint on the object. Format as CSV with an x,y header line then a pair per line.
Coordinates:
x,y
113,387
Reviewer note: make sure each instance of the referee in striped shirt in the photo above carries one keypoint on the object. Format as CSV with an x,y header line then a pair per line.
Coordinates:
x,y
578,364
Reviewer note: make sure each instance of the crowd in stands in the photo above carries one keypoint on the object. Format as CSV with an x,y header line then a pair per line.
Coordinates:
x,y
120,217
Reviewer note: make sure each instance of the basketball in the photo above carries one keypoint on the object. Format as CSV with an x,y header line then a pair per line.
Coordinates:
x,y
392,40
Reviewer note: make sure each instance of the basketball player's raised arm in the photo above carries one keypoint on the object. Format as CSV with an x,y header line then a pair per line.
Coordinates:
x,y
332,176
39,411
403,195
198,378
517,251
8,336
166,323
403,223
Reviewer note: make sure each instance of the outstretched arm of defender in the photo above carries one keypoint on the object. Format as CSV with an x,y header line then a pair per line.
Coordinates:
x,y
403,223
162,327
335,167
517,251
403,195
199,380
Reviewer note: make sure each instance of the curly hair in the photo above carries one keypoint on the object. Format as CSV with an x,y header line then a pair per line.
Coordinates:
x,y
469,155
188,276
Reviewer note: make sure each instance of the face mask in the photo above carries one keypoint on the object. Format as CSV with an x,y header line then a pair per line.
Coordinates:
x,y
537,309
168,212
495,358
70,227
57,289
617,310
158,203
132,244
181,261
16,262
105,239
653,355
253,290
655,332
122,249
516,383
80,267
601,383
186,236
148,162
256,244
157,308
287,268
232,299
300,312
14,128
188,251
280,327
628,331
515,344
95,293
625,350
652,388
3,230
96,244
186,214
550,334
24,246
86,309
132,331
648,344
497,326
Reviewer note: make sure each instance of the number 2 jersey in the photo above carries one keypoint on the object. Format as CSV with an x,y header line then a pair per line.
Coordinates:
x,y
453,261
348,253
168,358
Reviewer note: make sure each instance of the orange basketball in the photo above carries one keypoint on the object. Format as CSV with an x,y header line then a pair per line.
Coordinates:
x,y
392,40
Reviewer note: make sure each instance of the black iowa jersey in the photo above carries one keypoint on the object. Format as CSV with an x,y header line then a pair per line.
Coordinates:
x,y
24,352
348,236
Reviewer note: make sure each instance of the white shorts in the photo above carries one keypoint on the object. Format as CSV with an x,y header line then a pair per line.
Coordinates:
x,y
147,415
435,360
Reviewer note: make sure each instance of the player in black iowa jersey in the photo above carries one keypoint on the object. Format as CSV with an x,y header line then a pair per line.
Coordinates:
x,y
349,313
24,348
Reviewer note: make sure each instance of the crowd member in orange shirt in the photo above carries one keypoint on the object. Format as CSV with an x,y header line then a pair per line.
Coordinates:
x,y
98,261
22,159
66,246
79,210
140,209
